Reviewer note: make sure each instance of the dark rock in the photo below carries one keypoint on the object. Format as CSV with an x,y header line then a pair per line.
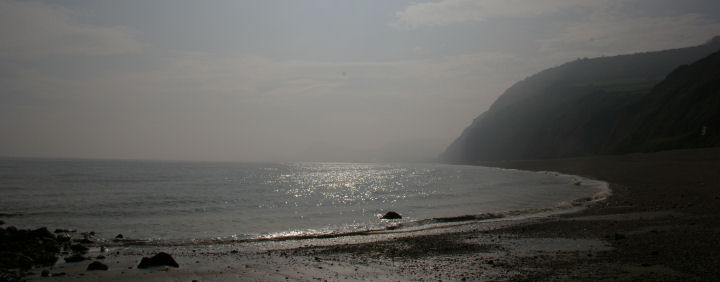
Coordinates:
x,y
58,274
619,236
86,241
24,248
16,260
119,236
74,258
45,273
391,215
2,222
160,259
62,231
96,265
41,233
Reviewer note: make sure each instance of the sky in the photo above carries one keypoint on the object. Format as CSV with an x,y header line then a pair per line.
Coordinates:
x,y
317,80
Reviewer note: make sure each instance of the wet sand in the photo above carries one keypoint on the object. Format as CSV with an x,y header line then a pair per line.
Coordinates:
x,y
663,220
661,223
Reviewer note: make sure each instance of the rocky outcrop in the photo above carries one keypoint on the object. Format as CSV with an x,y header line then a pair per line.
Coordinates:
x,y
27,248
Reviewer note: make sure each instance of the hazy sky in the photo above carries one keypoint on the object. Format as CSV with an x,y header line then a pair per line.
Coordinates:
x,y
292,80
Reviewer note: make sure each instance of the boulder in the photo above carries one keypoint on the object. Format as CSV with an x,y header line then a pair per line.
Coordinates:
x,y
24,248
119,236
96,265
391,215
41,232
161,259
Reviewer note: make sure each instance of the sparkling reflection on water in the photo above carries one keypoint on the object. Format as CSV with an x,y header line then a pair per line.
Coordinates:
x,y
198,200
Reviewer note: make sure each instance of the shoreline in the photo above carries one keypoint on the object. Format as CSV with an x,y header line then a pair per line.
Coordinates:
x,y
662,219
661,223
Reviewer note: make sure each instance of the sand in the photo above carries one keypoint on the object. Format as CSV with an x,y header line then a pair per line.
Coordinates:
x,y
661,223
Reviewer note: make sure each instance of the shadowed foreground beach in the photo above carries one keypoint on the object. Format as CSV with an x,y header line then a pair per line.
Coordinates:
x,y
661,223
662,220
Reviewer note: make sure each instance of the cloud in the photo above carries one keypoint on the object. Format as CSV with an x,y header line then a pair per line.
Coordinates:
x,y
610,34
32,29
448,12
579,28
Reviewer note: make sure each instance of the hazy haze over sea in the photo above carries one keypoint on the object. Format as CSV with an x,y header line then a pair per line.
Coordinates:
x,y
315,80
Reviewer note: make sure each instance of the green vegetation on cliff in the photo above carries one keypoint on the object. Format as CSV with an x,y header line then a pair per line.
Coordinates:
x,y
682,111
572,110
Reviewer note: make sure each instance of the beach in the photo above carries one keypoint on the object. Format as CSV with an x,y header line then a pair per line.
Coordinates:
x,y
661,223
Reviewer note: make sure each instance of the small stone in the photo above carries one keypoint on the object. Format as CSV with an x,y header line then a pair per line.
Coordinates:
x,y
62,238
119,236
96,265
161,259
391,215
45,273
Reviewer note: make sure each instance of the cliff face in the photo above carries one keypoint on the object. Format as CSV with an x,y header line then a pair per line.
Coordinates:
x,y
570,110
682,111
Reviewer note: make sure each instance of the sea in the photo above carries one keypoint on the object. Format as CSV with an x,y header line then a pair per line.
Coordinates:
x,y
183,201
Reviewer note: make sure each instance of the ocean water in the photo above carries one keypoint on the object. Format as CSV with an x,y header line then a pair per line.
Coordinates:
x,y
181,201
